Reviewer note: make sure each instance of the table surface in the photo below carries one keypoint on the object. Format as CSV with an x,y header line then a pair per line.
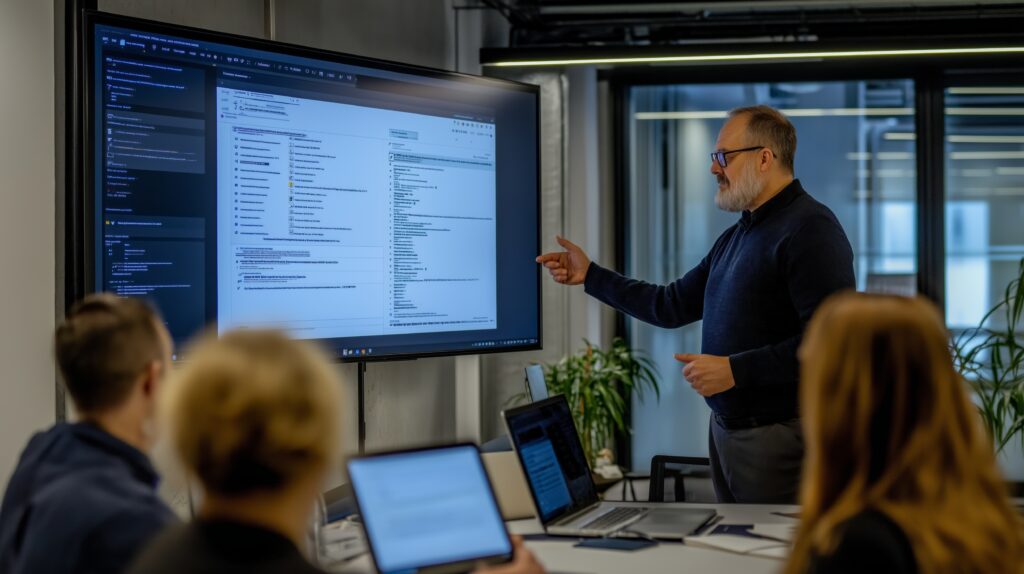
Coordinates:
x,y
559,556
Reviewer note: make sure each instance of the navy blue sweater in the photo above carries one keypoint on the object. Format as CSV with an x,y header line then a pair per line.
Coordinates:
x,y
868,542
80,500
755,291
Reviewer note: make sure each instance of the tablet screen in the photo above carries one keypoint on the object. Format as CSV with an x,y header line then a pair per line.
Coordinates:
x,y
428,507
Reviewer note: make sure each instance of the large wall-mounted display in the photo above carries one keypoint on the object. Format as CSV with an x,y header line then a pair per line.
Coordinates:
x,y
388,210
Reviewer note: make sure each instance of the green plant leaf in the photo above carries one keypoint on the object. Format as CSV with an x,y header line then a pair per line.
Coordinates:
x,y
991,361
598,383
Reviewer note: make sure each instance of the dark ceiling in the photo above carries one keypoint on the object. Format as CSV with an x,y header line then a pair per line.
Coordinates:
x,y
619,23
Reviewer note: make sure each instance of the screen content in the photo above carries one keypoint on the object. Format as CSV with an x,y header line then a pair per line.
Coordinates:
x,y
446,513
383,209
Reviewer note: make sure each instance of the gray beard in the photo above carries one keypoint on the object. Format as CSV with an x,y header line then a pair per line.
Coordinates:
x,y
741,193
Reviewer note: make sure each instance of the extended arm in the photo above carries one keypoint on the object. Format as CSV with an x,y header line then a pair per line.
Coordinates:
x,y
673,305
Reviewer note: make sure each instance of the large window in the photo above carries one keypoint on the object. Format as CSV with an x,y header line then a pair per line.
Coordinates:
x,y
856,154
984,145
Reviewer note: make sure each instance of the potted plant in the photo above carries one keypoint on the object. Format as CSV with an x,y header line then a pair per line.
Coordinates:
x,y
992,362
597,385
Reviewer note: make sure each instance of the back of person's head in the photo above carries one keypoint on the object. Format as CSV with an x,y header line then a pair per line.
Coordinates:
x,y
889,427
253,411
767,126
104,345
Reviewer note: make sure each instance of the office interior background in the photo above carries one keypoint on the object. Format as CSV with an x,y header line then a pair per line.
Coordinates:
x,y
624,172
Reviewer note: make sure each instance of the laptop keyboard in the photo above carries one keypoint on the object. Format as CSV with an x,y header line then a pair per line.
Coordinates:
x,y
617,515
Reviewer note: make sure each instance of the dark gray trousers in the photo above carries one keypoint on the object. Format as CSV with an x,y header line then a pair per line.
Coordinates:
x,y
759,465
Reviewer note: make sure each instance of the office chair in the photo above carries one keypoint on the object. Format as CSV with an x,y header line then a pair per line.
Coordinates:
x,y
660,471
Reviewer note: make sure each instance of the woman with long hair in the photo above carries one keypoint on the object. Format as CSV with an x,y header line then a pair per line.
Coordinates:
x,y
899,474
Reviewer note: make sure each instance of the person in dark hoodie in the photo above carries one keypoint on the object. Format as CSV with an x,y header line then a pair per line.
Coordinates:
x,y
82,498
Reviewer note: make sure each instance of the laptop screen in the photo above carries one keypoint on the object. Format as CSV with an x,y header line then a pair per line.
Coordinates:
x,y
549,449
428,507
535,383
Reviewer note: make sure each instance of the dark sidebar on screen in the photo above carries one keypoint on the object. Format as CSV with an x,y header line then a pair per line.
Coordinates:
x,y
156,179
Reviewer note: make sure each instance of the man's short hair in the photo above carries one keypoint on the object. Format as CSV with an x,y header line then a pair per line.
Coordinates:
x,y
103,346
769,127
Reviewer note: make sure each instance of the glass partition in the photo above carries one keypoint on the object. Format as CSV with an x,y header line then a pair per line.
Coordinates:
x,y
855,153
984,199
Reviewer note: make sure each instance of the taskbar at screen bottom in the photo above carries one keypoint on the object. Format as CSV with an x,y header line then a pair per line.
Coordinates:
x,y
355,352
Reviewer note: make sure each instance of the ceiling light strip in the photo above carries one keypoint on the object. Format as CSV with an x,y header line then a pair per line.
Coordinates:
x,y
903,136
962,155
826,112
760,57
792,112
985,111
987,91
986,139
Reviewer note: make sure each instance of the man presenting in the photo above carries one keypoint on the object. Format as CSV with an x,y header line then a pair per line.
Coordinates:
x,y
755,291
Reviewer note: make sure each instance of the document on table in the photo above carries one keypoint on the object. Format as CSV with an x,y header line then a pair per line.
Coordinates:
x,y
764,540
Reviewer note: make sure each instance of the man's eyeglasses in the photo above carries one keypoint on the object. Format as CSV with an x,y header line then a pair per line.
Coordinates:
x,y
719,156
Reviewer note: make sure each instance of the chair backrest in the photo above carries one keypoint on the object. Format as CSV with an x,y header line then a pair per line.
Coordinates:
x,y
659,472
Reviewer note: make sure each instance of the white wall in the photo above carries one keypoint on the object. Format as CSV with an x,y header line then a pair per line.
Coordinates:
x,y
26,224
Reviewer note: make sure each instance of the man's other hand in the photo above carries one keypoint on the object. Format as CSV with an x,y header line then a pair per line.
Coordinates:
x,y
707,374
568,267
523,562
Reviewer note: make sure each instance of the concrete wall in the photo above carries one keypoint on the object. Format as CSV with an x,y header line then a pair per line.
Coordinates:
x,y
27,228
243,17
411,31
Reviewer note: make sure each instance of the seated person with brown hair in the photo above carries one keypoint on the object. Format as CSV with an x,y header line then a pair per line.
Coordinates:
x,y
255,417
899,474
83,496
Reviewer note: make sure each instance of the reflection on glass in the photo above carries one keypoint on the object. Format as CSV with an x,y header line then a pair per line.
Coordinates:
x,y
855,154
984,198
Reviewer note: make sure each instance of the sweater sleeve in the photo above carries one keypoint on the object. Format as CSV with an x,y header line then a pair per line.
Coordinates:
x,y
674,305
817,261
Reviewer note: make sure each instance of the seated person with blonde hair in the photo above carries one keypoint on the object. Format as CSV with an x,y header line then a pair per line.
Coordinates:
x,y
255,417
899,474
83,496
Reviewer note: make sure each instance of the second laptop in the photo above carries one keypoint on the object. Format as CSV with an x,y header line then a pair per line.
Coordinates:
x,y
544,437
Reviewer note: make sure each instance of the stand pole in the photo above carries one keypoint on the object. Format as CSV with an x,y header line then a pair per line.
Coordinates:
x,y
361,369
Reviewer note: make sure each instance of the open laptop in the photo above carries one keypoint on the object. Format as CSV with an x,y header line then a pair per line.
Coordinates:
x,y
544,437
429,510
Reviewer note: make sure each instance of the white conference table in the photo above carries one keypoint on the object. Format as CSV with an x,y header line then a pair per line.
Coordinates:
x,y
559,556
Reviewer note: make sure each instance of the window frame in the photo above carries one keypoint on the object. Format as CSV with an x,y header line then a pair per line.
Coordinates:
x,y
931,77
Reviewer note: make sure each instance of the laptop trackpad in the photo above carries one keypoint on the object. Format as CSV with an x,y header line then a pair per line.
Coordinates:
x,y
672,523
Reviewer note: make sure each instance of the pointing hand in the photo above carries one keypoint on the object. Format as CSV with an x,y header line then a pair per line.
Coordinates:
x,y
568,267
